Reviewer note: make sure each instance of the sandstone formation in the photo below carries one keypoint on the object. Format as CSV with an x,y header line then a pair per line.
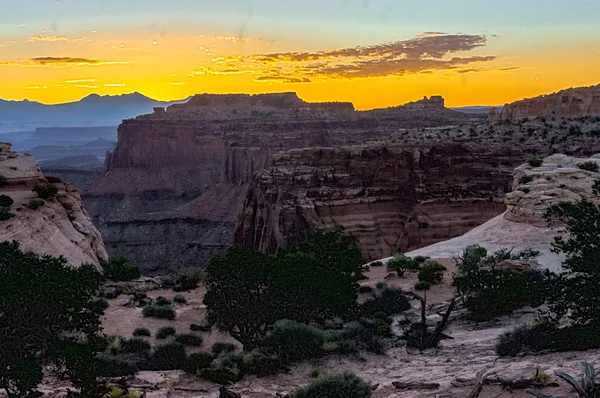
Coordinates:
x,y
573,102
522,226
177,179
60,227
392,197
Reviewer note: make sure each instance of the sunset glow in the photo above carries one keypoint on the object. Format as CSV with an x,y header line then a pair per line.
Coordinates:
x,y
373,53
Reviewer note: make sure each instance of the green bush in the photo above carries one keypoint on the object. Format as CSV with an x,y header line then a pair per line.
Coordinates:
x,y
365,289
117,269
381,285
362,334
196,362
387,300
376,264
525,180
141,332
221,347
136,345
160,301
535,162
422,285
589,166
6,201
5,214
45,191
180,299
292,341
165,332
168,356
35,204
432,272
420,259
188,280
225,370
401,263
189,339
112,294
110,366
103,303
336,386
194,327
258,363
161,312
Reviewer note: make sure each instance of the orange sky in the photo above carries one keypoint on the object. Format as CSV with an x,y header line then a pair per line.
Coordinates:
x,y
385,65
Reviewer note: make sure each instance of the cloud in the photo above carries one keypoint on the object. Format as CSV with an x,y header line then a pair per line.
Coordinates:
x,y
115,85
54,39
36,87
509,68
428,52
81,81
85,86
282,79
61,62
176,83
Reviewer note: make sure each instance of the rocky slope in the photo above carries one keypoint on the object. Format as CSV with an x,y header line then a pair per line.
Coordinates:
x,y
184,171
573,102
522,226
60,227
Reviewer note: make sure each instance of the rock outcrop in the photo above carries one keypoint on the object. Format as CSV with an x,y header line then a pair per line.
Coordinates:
x,y
60,227
184,172
573,102
523,226
392,197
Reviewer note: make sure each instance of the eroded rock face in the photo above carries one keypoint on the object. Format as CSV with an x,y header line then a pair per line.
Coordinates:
x,y
61,227
392,197
190,166
574,102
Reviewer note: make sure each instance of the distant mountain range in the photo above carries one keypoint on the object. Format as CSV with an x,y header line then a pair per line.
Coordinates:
x,y
91,110
475,109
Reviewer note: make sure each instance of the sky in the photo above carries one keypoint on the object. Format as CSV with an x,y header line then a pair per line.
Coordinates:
x,y
374,53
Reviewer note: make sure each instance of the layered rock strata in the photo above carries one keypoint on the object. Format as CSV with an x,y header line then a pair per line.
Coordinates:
x,y
61,227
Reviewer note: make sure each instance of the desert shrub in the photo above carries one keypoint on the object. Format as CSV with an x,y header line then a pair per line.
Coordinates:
x,y
5,201
345,385
45,191
3,181
160,301
110,366
220,347
225,370
535,162
135,345
387,300
194,327
422,285
401,263
589,166
36,203
364,334
113,344
180,299
189,339
365,289
489,291
432,272
168,356
161,312
376,264
315,372
141,332
196,362
525,179
117,269
188,280
420,259
165,332
103,303
260,364
381,285
112,293
292,341
5,214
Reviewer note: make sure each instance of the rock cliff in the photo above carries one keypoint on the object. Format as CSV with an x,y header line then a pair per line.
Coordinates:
x,y
60,227
391,196
573,102
184,171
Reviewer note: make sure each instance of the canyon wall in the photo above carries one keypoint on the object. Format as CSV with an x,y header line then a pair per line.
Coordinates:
x,y
391,196
574,102
61,227
184,172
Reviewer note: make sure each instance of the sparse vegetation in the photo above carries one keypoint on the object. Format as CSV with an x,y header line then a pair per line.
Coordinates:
x,y
161,301
365,289
5,214
376,264
535,162
3,181
422,285
36,203
194,327
168,356
220,347
387,300
45,191
196,362
156,311
401,263
164,332
345,385
6,201
292,341
180,299
188,280
189,339
119,270
589,166
432,272
141,332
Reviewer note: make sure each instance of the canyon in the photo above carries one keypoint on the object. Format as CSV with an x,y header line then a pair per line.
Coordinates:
x,y
175,183
61,227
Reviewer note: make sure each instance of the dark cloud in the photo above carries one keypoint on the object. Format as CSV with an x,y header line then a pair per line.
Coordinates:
x,y
282,79
61,61
431,34
510,68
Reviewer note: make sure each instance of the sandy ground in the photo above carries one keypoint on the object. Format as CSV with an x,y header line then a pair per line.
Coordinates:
x,y
471,350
